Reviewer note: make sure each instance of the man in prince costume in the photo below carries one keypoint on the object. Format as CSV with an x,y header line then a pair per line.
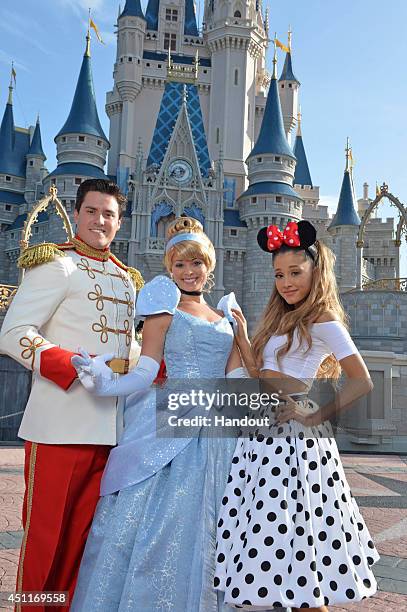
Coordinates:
x,y
152,543
72,294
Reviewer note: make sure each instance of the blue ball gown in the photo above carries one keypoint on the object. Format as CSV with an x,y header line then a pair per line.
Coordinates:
x,y
152,543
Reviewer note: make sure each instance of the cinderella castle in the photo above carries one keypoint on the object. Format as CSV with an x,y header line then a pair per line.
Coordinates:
x,y
198,126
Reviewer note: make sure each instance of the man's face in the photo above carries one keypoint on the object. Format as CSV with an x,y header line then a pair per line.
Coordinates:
x,y
97,221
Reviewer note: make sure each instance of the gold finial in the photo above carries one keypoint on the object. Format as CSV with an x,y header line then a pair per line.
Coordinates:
x,y
275,57
299,117
87,50
348,152
289,37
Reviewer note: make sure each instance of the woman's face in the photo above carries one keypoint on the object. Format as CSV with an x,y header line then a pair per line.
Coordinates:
x,y
189,274
293,273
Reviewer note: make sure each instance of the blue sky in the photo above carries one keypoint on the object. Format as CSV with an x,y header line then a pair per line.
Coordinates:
x,y
349,56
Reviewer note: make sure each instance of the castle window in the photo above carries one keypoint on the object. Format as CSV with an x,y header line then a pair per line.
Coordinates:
x,y
254,200
63,139
130,58
53,181
217,135
7,207
99,143
159,66
290,85
36,230
148,65
372,260
385,261
282,85
171,14
233,232
78,180
259,160
392,261
81,138
170,41
279,199
379,261
236,80
277,159
238,14
31,162
12,234
8,178
205,72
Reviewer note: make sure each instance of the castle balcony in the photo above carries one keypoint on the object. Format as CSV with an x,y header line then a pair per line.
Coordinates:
x,y
386,284
155,245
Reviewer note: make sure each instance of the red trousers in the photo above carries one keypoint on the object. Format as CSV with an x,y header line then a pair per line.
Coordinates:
x,y
62,489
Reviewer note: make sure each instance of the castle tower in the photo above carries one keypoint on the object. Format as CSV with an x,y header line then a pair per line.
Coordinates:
x,y
35,170
344,231
81,146
289,87
303,185
269,199
120,103
237,42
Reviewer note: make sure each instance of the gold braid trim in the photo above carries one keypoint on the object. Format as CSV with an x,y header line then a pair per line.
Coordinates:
x,y
134,274
41,253
30,490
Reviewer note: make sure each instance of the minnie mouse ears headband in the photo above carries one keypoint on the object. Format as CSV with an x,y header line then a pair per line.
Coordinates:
x,y
300,235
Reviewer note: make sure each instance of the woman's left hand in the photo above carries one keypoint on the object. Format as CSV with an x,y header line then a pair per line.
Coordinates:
x,y
293,410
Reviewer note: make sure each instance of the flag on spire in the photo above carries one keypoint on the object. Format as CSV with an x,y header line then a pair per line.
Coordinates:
x,y
282,46
94,27
13,74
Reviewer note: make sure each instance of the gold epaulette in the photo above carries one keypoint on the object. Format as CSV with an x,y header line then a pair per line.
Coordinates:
x,y
134,274
138,280
42,253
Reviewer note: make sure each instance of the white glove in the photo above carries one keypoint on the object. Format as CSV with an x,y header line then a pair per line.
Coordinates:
x,y
89,368
104,383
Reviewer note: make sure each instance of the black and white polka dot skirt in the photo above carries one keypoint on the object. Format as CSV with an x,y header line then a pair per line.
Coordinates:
x,y
290,532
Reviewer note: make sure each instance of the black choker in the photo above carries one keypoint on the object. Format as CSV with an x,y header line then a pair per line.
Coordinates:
x,y
190,292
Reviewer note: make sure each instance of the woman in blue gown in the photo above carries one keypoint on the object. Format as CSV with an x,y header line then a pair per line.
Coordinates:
x,y
152,543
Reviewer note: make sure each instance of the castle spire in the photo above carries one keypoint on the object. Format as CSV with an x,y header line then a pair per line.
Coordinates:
x,y
190,27
272,138
36,142
152,10
83,117
7,136
346,212
132,8
302,174
287,73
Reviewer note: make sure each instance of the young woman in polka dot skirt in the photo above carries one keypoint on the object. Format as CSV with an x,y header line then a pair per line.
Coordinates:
x,y
290,532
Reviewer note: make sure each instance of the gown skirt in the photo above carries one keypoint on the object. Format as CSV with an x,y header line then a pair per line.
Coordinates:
x,y
290,532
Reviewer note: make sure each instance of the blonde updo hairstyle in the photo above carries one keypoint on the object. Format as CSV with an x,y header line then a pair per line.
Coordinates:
x,y
189,249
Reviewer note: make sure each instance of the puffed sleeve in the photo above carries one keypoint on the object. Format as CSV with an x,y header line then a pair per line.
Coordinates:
x,y
159,295
337,338
226,303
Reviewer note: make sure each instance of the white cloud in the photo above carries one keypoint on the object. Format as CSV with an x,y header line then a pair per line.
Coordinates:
x,y
5,58
98,8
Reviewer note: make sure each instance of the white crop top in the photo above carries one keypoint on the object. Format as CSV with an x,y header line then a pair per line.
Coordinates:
x,y
329,337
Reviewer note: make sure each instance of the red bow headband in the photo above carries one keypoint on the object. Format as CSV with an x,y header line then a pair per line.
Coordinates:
x,y
289,236
296,235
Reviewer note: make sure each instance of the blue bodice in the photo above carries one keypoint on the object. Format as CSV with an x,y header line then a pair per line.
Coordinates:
x,y
195,348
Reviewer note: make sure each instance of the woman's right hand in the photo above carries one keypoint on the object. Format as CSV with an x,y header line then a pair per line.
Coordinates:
x,y
241,335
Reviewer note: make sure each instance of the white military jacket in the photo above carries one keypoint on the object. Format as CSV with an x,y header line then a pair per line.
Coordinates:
x,y
74,300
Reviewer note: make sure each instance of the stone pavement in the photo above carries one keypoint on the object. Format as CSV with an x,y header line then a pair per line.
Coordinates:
x,y
379,483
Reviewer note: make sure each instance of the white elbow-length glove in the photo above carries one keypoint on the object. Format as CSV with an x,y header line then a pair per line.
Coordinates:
x,y
98,378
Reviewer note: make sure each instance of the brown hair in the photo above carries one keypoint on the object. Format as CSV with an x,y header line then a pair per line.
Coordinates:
x,y
102,186
280,318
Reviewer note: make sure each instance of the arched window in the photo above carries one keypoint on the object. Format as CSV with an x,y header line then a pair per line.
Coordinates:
x,y
236,79
238,14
